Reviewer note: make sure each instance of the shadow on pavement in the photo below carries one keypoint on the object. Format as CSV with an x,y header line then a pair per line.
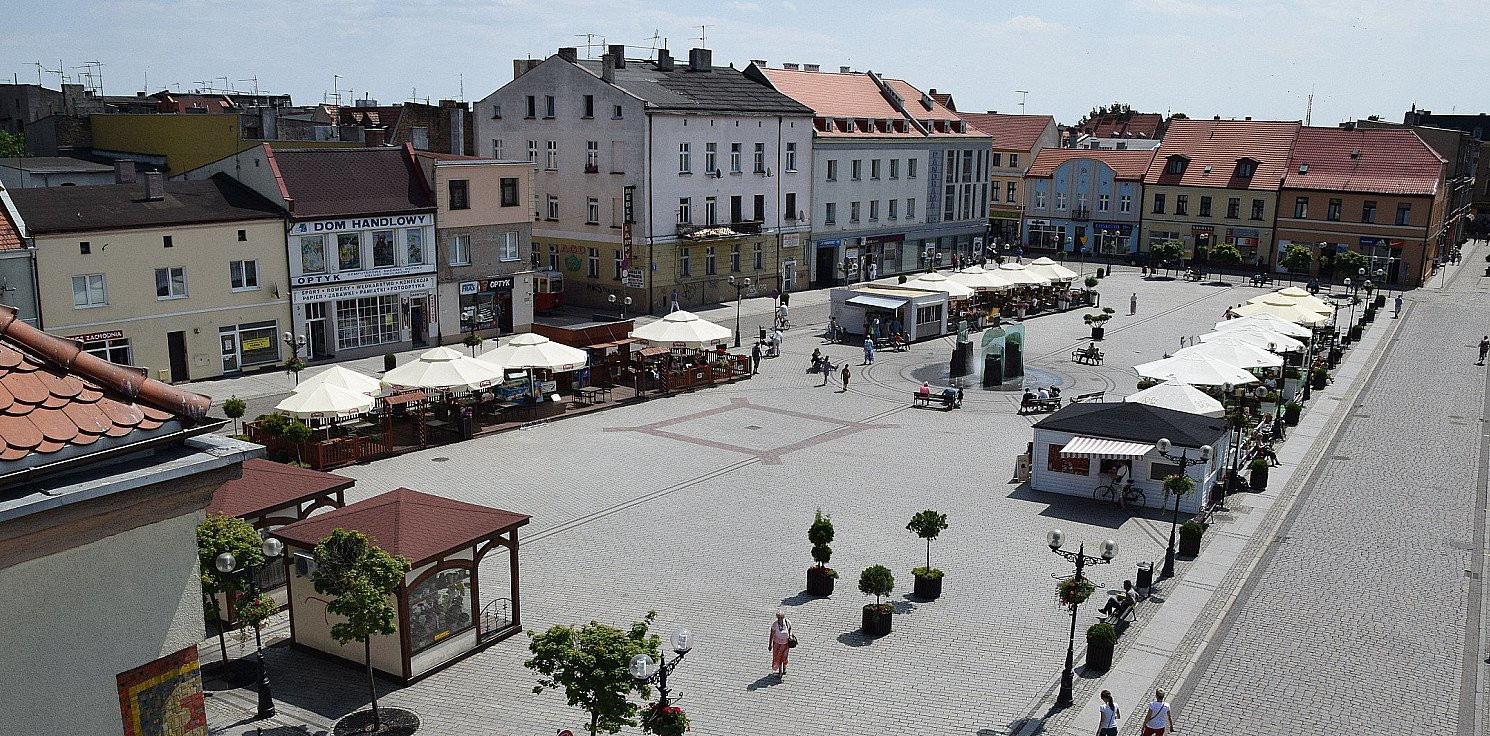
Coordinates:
x,y
326,687
766,681
798,599
1072,508
855,638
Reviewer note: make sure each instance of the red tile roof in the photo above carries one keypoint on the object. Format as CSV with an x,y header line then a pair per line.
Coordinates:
x,y
1127,165
56,400
1214,148
405,522
10,235
1010,132
267,485
855,96
1376,160
1120,125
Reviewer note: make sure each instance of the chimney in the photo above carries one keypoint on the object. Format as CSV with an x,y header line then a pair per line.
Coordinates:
x,y
458,130
1249,117
155,186
992,112
1348,125
618,55
789,66
523,66
141,94
664,60
758,62
607,69
700,60
812,67
124,172
845,70
1216,117
569,54
375,137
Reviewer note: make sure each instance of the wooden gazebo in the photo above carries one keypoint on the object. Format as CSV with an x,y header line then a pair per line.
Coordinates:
x,y
441,618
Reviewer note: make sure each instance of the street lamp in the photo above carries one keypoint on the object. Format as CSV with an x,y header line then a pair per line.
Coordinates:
x,y
740,285
624,302
295,343
1055,539
645,669
1184,462
227,564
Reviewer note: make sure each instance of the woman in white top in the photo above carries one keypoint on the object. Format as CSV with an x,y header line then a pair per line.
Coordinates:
x,y
1158,719
781,638
1107,716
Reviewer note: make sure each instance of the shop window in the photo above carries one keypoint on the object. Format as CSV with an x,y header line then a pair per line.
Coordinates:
x,y
170,282
929,315
367,321
1159,471
413,246
258,343
383,250
439,607
313,254
244,275
481,310
1055,462
348,252
115,351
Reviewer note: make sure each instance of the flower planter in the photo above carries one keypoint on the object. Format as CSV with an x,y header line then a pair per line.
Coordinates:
x,y
1259,480
819,582
1098,332
1190,543
1320,379
928,588
877,619
1099,655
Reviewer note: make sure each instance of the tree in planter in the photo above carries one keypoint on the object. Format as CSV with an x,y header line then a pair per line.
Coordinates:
x,y
1298,259
273,423
1190,534
591,664
820,577
1291,412
233,408
927,525
1259,468
1350,263
359,577
878,581
1096,321
1319,379
298,432
217,534
1101,640
1166,254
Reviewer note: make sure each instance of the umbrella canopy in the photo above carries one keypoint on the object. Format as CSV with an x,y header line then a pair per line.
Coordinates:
x,y
1043,266
1267,322
1257,337
532,350
325,401
1017,274
342,378
1172,394
980,279
682,329
1237,353
939,282
1307,301
446,369
1199,370
1282,308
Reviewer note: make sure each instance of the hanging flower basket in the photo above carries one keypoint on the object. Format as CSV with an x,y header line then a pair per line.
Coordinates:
x,y
1073,592
256,610
295,365
669,721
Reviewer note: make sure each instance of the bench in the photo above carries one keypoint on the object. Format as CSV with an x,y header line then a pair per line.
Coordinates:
x,y
1037,404
1124,613
919,399
1088,356
1260,279
1093,396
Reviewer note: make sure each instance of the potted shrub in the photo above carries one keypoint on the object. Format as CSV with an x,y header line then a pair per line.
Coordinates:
x,y
1097,320
233,409
1381,301
820,577
1190,534
1291,412
1355,333
1259,468
1321,377
390,361
878,581
1144,383
927,525
1101,640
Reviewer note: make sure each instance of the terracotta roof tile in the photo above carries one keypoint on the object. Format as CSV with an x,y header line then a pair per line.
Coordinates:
x,y
1218,145
1010,132
407,522
1120,125
1375,160
10,235
836,96
1127,165
266,485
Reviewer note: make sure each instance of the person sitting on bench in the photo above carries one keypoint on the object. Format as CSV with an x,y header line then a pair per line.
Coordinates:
x,y
925,389
1120,603
950,397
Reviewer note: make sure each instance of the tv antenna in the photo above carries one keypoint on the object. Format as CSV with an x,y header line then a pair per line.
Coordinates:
x,y
255,80
589,42
656,36
703,36
1023,93
1309,109
93,76
462,77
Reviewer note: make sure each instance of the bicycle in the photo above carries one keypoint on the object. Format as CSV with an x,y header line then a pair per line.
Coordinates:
x,y
1126,498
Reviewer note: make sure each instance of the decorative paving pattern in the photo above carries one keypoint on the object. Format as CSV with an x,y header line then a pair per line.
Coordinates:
x,y
808,430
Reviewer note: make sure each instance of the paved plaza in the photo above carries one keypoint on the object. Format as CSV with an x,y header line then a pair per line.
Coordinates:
x,y
697,506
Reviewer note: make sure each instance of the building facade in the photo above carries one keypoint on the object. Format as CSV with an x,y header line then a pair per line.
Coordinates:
x,y
55,171
656,180
1085,201
1017,140
17,265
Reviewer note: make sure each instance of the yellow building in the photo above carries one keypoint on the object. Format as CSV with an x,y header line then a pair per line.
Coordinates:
x,y
180,143
186,279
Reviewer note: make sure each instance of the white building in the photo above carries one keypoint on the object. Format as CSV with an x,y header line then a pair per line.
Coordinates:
x,y
709,173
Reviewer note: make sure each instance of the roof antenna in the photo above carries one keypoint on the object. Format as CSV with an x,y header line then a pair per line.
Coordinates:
x,y
1023,93
703,36
1309,111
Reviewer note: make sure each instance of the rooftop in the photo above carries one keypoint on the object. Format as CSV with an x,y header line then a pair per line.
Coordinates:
x,y
1010,132
835,97
10,234
1214,150
405,522
267,485
1136,422
718,89
1368,160
1123,125
331,182
1129,165
119,206
55,165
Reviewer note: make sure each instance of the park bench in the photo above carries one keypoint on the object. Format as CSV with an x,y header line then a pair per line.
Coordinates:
x,y
1262,279
1029,404
1124,613
1088,355
919,399
1093,396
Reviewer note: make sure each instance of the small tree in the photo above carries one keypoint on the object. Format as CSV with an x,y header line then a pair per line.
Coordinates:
x,y
217,534
13,145
821,535
1165,253
927,525
1225,255
297,432
1099,319
1298,259
233,409
1091,282
878,581
1348,264
592,666
360,577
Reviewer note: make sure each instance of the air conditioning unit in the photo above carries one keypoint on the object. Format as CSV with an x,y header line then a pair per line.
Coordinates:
x,y
305,564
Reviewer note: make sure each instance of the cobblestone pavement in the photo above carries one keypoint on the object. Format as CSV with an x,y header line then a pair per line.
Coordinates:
x,y
1363,615
690,505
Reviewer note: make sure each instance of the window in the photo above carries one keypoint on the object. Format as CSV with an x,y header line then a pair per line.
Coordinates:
x,y
532,152
874,210
910,208
929,315
1013,160
553,155
685,158
592,211
1009,196
1205,206
1245,168
685,261
994,193
532,106
760,256
734,258
1257,207
832,169
592,262
791,206
166,241
89,291
1301,207
1404,213
1055,462
874,168
244,275
711,210
856,169
496,112
1333,213
1158,203
998,158
685,211
1125,203
1104,202
459,247
894,168
710,265
509,191
791,157
1368,211
548,106
853,211
115,351
1175,166
1182,204
589,106
367,321
615,112
84,247
439,608
383,249
242,236
734,158
736,208
592,157
507,248
618,265
170,283
910,168
1233,207
760,158
760,207
553,207
348,251
711,158
460,194
1060,200
1159,471
496,148
1039,199
553,258
894,206
830,213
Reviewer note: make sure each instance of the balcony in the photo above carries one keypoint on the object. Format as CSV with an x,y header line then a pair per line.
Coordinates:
x,y
1081,214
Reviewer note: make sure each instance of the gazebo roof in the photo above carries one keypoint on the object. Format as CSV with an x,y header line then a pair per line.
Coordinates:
x,y
405,522
267,485
1137,422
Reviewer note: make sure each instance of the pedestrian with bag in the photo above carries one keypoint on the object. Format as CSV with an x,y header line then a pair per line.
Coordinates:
x,y
1158,719
1107,716
781,643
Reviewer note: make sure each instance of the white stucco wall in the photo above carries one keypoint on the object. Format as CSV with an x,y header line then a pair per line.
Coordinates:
x,y
312,626
1068,484
64,636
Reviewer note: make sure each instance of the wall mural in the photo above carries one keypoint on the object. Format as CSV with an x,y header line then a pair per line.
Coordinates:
x,y
164,697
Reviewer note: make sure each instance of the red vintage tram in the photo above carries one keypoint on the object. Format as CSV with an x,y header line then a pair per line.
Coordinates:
x,y
548,290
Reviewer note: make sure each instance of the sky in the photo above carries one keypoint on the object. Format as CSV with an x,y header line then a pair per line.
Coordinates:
x,y
1201,57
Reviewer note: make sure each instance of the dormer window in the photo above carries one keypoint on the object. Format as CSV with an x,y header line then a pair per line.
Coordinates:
x,y
1246,167
1175,166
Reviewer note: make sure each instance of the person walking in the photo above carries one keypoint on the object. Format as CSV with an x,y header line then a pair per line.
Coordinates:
x,y
755,359
827,370
1484,349
868,350
1107,716
1158,718
1397,307
674,301
1133,304
845,375
780,644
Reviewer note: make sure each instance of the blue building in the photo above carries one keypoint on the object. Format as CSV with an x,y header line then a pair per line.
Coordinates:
x,y
1084,200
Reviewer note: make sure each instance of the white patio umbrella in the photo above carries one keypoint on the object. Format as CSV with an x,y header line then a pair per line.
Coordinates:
x,y
1021,276
532,350
1237,353
343,378
325,401
1283,308
1267,322
1257,337
1306,300
445,369
1199,370
682,329
1172,394
980,279
1043,266
939,282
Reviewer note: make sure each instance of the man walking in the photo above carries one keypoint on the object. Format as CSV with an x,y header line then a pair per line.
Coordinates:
x,y
1133,304
827,370
845,375
755,359
1484,349
868,350
1397,307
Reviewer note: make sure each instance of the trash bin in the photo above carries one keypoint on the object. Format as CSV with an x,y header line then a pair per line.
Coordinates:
x,y
1145,577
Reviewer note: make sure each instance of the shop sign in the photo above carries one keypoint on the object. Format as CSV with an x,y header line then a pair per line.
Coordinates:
x,y
468,288
1202,229
97,336
378,273
361,223
791,240
833,243
362,289
501,283
633,279
1370,242
256,343
885,239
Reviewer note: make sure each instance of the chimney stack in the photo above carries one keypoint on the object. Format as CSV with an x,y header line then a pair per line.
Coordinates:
x,y
664,60
789,65
124,172
375,137
845,70
569,54
758,62
155,186
607,69
812,67
700,60
618,55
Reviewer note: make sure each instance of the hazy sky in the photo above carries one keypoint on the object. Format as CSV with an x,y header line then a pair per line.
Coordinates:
x,y
1200,57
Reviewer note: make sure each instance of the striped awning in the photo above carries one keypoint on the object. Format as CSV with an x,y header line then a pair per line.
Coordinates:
x,y
1104,448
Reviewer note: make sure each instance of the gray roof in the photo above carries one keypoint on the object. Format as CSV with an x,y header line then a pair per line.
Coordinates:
x,y
329,182
116,206
54,165
721,89
1136,422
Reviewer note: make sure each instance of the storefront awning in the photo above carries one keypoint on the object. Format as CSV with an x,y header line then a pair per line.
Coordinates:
x,y
1104,448
880,302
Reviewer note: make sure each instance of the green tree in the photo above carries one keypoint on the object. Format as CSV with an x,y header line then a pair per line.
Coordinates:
x,y
359,577
878,581
1225,254
927,525
233,408
217,534
821,535
1298,258
1166,253
13,145
1348,264
591,664
298,432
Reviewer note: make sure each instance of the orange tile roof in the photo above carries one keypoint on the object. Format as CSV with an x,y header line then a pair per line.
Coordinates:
x,y
10,235
1371,160
835,96
1214,147
1010,132
405,522
1127,165
1119,125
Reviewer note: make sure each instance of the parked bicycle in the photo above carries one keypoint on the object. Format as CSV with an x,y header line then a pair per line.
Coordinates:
x,y
1127,496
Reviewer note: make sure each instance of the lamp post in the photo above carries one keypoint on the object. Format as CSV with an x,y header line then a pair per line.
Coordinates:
x,y
645,669
623,302
1184,462
228,565
740,285
295,343
1055,539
